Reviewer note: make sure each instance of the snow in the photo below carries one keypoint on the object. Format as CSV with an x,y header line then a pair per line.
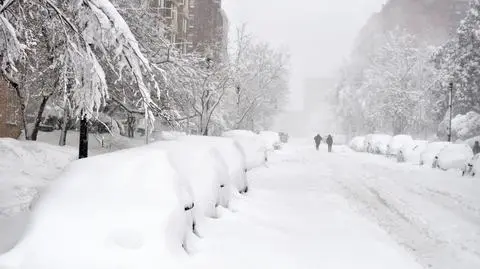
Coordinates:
x,y
358,144
203,168
454,156
170,135
433,149
232,154
308,209
411,152
25,168
94,215
397,143
377,143
252,145
271,140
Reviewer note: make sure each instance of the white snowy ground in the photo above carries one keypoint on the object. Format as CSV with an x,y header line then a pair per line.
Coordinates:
x,y
312,209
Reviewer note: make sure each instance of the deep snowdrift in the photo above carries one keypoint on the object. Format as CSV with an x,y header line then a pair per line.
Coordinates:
x,y
25,168
122,210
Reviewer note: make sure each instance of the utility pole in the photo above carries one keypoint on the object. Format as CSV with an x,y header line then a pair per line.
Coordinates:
x,y
450,105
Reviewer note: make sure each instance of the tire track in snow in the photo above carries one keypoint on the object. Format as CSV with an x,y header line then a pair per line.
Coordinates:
x,y
397,216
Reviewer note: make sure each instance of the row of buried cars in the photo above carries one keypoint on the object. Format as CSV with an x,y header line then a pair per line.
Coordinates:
x,y
436,154
144,207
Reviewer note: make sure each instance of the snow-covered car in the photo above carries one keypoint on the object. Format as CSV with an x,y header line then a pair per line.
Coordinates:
x,y
397,143
454,156
252,145
204,169
232,154
410,153
271,139
428,156
109,211
358,144
379,143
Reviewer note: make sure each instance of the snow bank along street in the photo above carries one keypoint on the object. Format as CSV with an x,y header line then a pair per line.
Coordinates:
x,y
164,208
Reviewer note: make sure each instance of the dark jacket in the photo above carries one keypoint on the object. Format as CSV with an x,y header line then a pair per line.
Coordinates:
x,y
330,140
317,139
476,148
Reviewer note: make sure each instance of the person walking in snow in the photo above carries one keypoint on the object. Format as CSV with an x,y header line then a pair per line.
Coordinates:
x,y
318,140
476,148
329,143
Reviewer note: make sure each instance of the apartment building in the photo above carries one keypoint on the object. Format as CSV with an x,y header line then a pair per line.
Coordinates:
x,y
210,30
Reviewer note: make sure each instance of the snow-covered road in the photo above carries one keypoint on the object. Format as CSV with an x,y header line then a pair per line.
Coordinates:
x,y
312,209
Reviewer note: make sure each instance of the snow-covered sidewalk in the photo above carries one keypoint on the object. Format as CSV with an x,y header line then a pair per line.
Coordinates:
x,y
297,217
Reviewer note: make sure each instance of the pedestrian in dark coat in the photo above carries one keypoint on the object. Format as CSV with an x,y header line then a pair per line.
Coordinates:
x,y
318,140
329,143
476,148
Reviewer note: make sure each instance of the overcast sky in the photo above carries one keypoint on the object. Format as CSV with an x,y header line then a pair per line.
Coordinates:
x,y
318,33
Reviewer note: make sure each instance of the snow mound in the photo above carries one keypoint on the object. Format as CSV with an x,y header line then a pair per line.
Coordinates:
x,y
454,156
463,126
410,153
271,140
252,145
99,214
358,144
432,150
397,143
206,172
232,154
377,143
171,135
25,168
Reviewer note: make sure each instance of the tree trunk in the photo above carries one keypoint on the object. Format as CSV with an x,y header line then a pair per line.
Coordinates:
x,y
38,119
83,143
63,135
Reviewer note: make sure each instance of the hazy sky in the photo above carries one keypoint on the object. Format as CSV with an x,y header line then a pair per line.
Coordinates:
x,y
318,33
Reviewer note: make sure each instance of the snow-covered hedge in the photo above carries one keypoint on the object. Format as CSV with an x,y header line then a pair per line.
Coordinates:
x,y
454,156
232,154
168,136
203,167
463,126
358,144
271,139
127,209
252,145
397,143
433,149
